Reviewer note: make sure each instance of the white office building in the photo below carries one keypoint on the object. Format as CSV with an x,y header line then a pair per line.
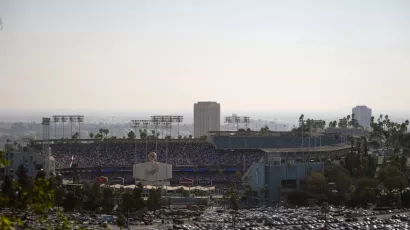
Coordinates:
x,y
207,117
363,115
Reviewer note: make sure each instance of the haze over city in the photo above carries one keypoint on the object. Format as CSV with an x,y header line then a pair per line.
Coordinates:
x,y
267,57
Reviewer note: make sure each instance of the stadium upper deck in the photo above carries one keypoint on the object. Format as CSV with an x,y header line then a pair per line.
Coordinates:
x,y
121,153
261,140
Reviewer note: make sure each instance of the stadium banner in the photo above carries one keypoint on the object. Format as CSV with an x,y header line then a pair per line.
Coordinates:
x,y
101,179
152,171
186,182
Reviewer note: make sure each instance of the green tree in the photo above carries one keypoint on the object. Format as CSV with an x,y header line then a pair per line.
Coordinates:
x,y
120,221
107,199
70,201
248,193
154,198
298,197
21,173
128,202
317,183
131,135
137,196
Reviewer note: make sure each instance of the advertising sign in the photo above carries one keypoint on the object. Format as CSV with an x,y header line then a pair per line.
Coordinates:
x,y
186,182
101,179
153,170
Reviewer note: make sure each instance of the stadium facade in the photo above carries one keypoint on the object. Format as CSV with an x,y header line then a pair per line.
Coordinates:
x,y
279,161
283,170
31,159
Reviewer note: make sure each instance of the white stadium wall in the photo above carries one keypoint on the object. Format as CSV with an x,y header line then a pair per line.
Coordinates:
x,y
152,171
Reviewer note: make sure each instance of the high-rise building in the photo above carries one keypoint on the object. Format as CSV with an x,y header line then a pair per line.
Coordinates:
x,y
363,115
207,117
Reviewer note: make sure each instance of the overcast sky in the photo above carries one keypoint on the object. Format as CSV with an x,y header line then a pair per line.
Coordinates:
x,y
165,55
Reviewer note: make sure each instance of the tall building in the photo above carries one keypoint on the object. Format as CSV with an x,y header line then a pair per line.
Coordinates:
x,y
207,117
363,115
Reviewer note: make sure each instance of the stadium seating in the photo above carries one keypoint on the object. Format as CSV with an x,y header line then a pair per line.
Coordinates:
x,y
257,142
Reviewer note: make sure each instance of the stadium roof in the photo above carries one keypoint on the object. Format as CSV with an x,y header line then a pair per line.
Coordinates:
x,y
329,148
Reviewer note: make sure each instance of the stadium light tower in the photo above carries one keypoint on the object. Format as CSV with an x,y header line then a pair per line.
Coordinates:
x,y
228,121
237,120
167,122
46,133
177,119
145,124
56,119
71,119
246,120
135,124
80,119
63,120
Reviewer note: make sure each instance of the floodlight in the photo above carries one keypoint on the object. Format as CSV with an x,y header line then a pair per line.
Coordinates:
x,y
80,118
45,121
56,119
63,119
72,118
228,120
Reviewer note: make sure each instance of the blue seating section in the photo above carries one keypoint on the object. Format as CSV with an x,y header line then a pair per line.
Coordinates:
x,y
257,142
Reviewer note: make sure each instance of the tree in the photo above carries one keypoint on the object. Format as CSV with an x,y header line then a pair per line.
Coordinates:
x,y
137,196
21,173
248,193
107,199
120,221
131,135
7,191
317,182
232,195
143,133
91,135
128,202
154,198
75,136
59,196
265,129
41,174
264,191
190,136
298,197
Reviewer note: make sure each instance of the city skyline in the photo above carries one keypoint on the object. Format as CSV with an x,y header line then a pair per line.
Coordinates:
x,y
249,56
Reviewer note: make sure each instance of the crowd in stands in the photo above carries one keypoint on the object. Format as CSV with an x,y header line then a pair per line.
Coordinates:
x,y
197,176
123,154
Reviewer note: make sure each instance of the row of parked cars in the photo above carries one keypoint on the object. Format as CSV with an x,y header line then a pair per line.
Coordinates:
x,y
296,219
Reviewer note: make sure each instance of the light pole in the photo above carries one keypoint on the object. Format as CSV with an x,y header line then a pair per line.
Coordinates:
x,y
63,120
71,119
56,119
135,124
80,119
46,132
237,120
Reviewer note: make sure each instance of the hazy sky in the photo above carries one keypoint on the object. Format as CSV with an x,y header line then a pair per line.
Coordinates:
x,y
166,55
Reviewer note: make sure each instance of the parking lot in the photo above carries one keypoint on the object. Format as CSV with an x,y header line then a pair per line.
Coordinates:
x,y
247,219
